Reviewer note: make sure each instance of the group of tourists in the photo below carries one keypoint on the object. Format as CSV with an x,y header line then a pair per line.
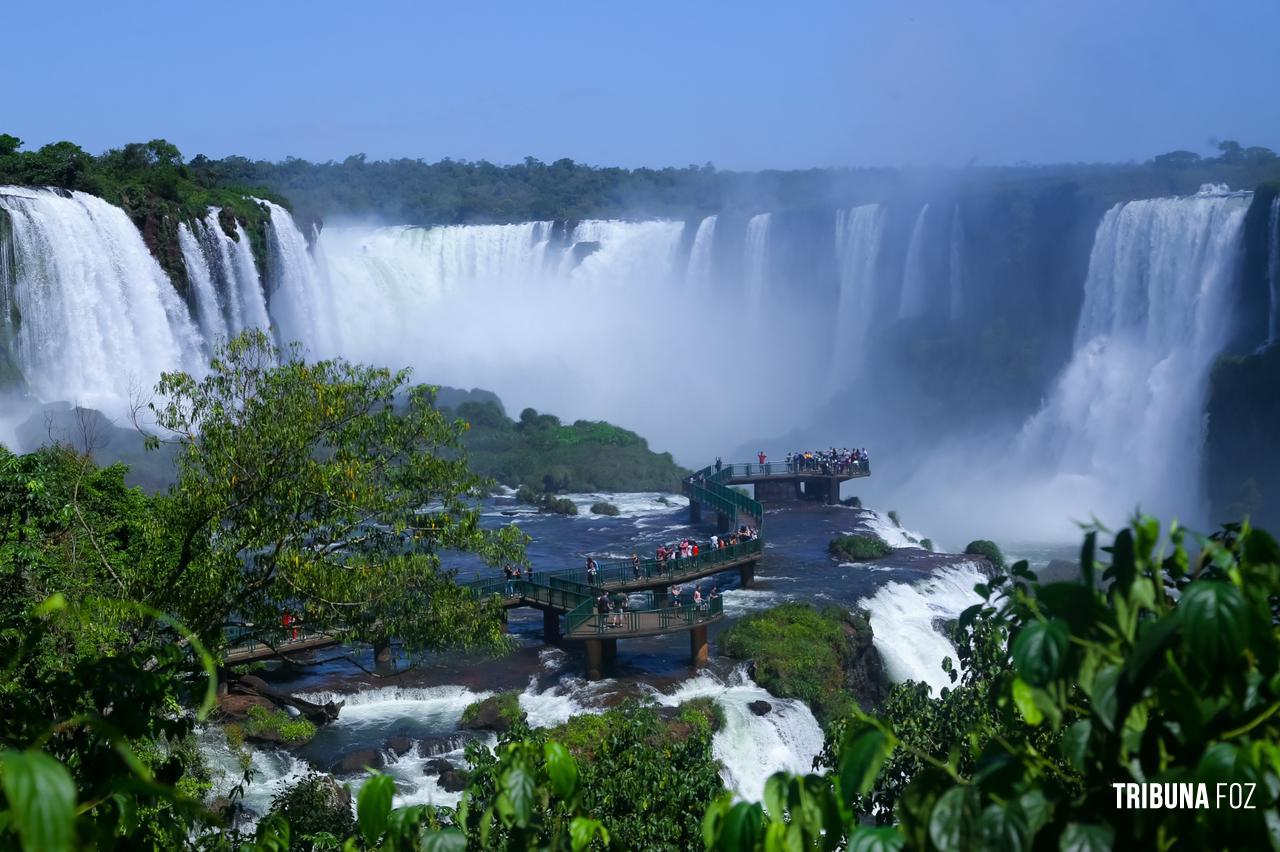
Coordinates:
x,y
700,602
830,462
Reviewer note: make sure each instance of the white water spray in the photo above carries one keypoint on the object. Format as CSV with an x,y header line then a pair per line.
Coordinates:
x,y
905,618
1127,412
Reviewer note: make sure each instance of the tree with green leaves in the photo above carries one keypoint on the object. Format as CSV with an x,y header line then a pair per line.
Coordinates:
x,y
325,489
1157,668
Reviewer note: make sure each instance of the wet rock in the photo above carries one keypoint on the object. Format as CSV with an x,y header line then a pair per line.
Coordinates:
x,y
453,781
235,708
442,744
357,760
760,708
451,778
400,745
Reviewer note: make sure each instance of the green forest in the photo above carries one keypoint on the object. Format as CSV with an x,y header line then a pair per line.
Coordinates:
x,y
151,177
1159,662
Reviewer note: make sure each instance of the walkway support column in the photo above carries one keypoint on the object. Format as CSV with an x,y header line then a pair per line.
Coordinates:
x,y
747,574
698,645
610,649
595,661
833,491
550,627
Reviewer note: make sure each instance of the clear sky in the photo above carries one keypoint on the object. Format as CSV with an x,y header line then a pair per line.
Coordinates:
x,y
743,84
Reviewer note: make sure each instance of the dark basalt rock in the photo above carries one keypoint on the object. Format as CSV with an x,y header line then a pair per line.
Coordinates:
x,y
357,760
760,708
399,745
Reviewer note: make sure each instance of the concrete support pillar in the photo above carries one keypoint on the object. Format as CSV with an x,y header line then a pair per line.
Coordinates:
x,y
609,647
695,512
747,574
698,645
550,626
595,659
833,491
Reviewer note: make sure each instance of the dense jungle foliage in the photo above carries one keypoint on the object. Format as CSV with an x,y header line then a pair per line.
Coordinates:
x,y
459,192
546,456
151,183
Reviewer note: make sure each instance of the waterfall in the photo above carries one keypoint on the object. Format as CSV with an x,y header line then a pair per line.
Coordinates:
x,y
1127,412
858,240
955,265
210,311
698,273
234,272
300,301
1273,271
915,277
756,262
905,617
99,320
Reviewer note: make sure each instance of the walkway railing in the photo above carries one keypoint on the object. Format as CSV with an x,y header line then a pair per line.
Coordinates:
x,y
783,469
707,488
640,620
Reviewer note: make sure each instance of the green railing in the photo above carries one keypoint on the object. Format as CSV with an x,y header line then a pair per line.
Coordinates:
x,y
613,572
635,620
785,469
707,488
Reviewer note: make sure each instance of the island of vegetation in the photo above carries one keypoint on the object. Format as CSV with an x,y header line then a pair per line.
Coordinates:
x,y
545,457
858,547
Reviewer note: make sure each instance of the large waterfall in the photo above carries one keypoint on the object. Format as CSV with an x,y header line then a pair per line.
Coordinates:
x,y
98,320
1273,272
678,330
1124,423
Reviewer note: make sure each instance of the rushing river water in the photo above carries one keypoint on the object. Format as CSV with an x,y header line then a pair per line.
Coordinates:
x,y
908,594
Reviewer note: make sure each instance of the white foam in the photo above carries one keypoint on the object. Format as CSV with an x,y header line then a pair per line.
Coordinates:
x,y
750,748
893,535
630,504
903,617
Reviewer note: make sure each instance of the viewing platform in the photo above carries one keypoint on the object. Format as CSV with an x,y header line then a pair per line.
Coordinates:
x,y
569,599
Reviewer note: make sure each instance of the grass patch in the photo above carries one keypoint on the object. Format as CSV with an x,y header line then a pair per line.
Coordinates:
x,y
799,652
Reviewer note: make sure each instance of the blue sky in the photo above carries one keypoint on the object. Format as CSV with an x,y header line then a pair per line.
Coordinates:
x,y
744,85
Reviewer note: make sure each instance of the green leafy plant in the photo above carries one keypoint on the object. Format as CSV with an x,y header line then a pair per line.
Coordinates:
x,y
859,547
1154,668
988,550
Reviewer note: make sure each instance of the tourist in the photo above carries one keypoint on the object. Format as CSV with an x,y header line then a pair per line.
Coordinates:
x,y
761,456
511,576
602,608
718,464
635,565
697,599
593,571
715,541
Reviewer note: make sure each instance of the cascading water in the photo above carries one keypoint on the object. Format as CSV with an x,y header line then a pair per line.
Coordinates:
x,y
99,320
225,278
905,617
955,265
1126,415
749,747
1273,271
915,277
698,274
756,263
300,299
858,239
